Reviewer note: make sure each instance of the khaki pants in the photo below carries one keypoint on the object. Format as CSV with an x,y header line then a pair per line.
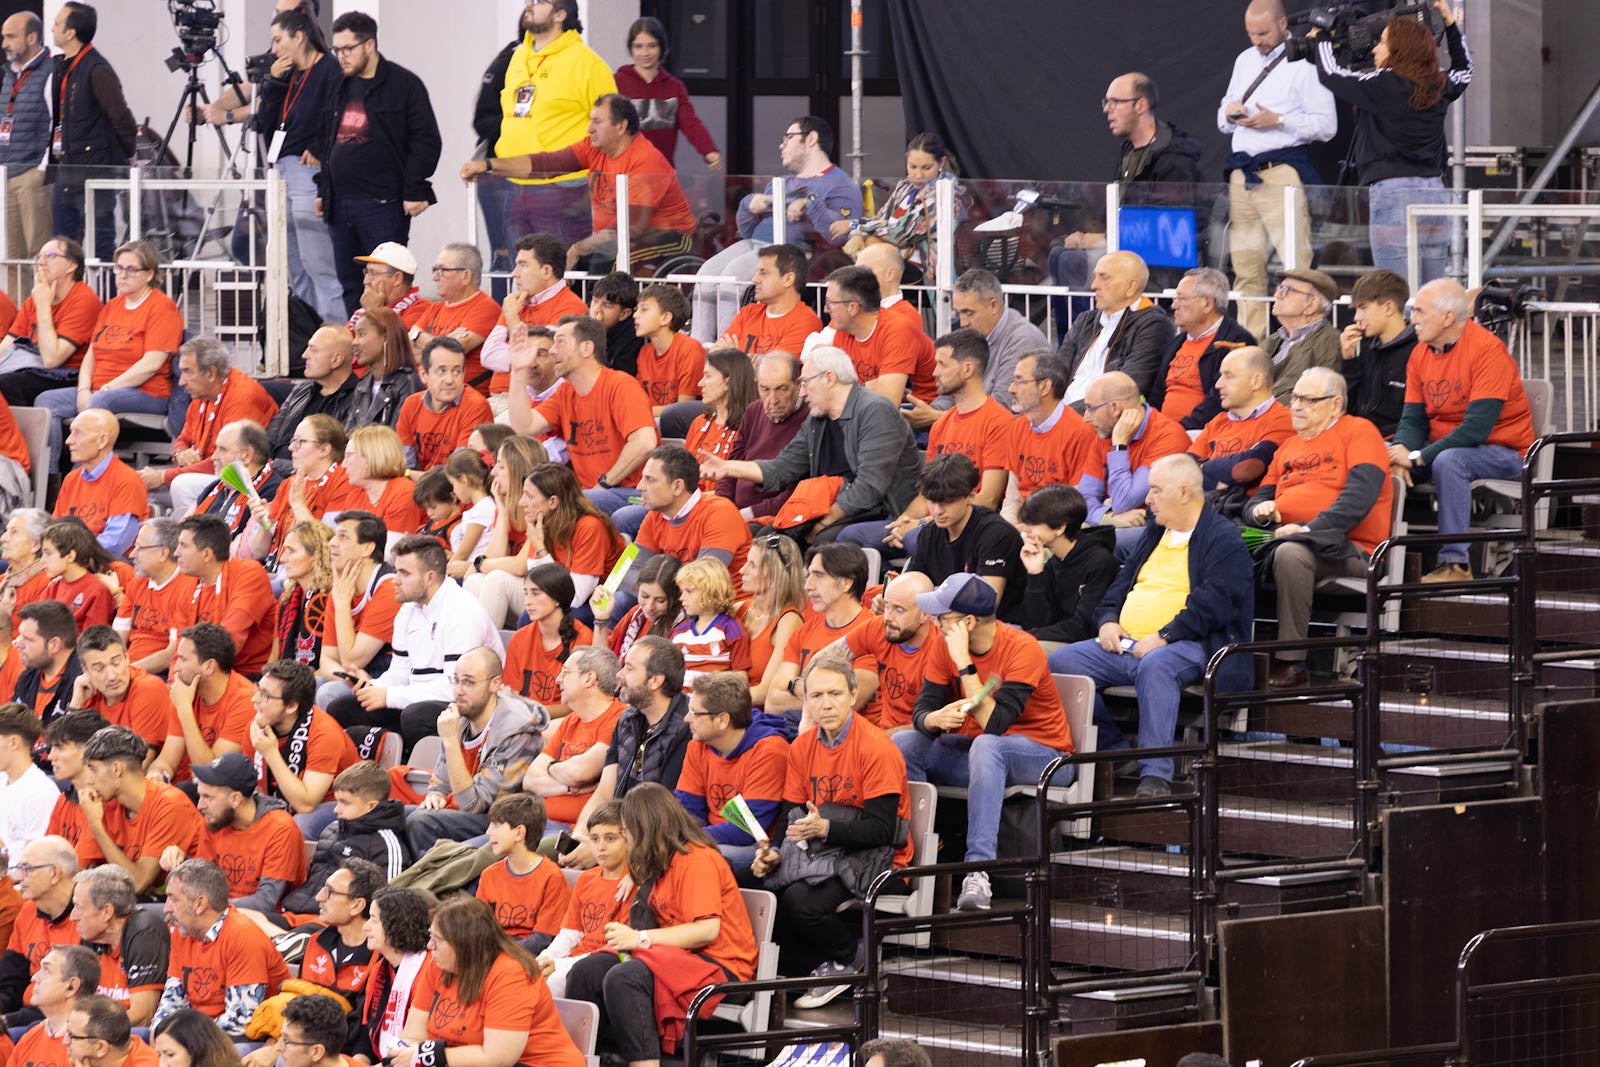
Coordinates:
x,y
1255,228
28,226
1296,570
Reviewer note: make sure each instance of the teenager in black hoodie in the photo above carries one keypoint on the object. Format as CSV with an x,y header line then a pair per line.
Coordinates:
x,y
370,826
1069,568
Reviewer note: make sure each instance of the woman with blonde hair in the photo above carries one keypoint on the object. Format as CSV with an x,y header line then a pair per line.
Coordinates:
x,y
303,607
711,639
375,463
498,570
773,578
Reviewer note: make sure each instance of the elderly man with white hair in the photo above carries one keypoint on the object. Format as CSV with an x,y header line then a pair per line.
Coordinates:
x,y
1305,336
1466,415
852,434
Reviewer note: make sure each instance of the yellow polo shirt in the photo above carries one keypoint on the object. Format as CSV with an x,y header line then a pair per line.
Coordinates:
x,y
1162,588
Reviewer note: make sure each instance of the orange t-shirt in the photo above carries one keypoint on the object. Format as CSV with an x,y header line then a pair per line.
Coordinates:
x,y
712,522
241,602
756,332
146,709
395,505
1477,367
526,903
699,884
982,435
227,720
1161,437
1308,476
652,183
270,847
241,955
241,398
866,764
87,597
815,634
509,1000
154,612
37,1048
329,750
33,936
27,593
1014,657
571,736
593,904
373,614
118,491
761,646
713,438
757,774
1185,390
477,314
1227,436
123,336
667,376
594,548
433,435
596,426
547,312
66,819
1050,457
531,669
74,318
900,669
12,446
166,817
897,345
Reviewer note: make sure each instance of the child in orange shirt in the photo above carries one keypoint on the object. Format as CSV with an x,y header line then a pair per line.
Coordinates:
x,y
437,500
670,363
603,895
528,893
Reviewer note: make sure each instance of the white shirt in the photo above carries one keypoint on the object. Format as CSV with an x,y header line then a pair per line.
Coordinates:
x,y
429,639
1291,90
25,807
481,514
1093,363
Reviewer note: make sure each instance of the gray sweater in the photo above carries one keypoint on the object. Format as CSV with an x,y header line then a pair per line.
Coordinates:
x,y
1013,337
878,445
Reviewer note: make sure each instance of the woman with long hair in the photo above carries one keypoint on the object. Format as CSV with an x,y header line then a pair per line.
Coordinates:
x,y
1398,147
773,578
79,570
317,486
481,997
303,607
20,546
383,355
565,526
687,900
188,1038
656,612
503,559
728,387
905,217
535,653
375,463
470,480
397,935
663,101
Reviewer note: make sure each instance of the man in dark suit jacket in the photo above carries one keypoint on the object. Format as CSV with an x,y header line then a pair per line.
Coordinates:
x,y
1125,331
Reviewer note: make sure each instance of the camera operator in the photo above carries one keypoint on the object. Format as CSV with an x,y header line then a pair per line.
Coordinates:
x,y
1398,148
233,103
294,97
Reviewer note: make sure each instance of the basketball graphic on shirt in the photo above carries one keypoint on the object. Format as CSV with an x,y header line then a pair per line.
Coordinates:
x,y
513,916
203,984
589,435
1438,392
593,915
239,869
827,788
719,793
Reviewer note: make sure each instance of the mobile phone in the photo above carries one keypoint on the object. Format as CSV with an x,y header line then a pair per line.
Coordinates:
x,y
348,677
565,843
1128,643
1235,116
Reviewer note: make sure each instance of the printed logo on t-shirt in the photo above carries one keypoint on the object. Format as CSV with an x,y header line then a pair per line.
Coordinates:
x,y
447,1017
239,868
893,684
1441,394
719,793
353,124
589,436
832,788
592,915
203,984
513,916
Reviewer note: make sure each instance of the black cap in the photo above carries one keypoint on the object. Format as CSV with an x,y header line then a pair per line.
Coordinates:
x,y
231,770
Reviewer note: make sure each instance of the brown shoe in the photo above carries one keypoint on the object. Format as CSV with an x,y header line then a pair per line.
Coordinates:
x,y
1448,572
1291,675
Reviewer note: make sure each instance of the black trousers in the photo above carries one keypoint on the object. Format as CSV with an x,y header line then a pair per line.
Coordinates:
x,y
626,996
414,721
810,930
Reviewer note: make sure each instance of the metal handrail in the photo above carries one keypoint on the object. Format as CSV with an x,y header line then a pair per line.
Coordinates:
x,y
694,1042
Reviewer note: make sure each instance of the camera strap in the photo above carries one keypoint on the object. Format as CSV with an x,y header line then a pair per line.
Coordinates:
x,y
1268,69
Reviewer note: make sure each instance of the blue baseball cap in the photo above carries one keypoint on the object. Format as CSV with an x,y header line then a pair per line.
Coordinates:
x,y
961,594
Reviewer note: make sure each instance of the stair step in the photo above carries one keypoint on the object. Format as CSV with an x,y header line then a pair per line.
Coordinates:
x,y
1451,783
947,1044
1445,721
1290,828
1159,882
956,988
1129,1008
1087,935
1286,770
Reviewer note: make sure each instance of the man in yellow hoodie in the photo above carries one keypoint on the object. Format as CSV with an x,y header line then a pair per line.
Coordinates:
x,y
551,85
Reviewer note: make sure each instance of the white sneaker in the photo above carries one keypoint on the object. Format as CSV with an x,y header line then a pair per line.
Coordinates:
x,y
831,986
975,894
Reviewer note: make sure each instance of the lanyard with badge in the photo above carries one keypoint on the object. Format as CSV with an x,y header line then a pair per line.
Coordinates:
x,y
61,105
5,123
522,104
292,95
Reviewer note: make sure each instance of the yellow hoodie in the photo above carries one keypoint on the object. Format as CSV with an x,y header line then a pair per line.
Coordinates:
x,y
557,87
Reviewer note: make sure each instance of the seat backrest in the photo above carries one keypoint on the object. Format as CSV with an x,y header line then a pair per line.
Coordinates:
x,y
762,906
426,754
1077,700
1541,404
34,425
573,874
389,751
581,1020
311,850
924,802
1397,517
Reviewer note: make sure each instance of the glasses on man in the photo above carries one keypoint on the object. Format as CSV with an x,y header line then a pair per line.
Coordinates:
x,y
439,269
263,697
22,870
1109,102
1289,290
342,50
1307,401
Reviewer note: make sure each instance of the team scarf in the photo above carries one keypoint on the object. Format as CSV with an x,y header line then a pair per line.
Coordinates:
x,y
300,622
295,756
391,986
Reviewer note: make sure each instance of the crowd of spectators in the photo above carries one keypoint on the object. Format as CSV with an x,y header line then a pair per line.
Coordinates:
x,y
616,562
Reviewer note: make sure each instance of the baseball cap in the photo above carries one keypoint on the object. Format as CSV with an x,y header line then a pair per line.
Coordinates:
x,y
392,254
962,594
231,770
1317,280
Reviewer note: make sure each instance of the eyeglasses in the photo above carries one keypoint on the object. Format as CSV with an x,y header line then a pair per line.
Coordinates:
x,y
46,256
836,303
1286,290
79,1037
804,378
344,50
377,272
22,870
703,714
296,442
1016,378
129,271
789,134
1307,401
1088,408
285,1040
261,696
1109,102
437,269
332,892
144,548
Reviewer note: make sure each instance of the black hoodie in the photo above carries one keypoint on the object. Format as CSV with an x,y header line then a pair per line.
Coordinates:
x,y
1058,604
379,836
1376,380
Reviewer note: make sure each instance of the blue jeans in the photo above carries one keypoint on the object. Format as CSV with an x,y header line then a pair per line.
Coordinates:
x,y
1386,226
313,822
739,857
613,499
1158,678
63,404
67,207
1453,471
311,265
871,534
629,518
356,226
423,828
985,765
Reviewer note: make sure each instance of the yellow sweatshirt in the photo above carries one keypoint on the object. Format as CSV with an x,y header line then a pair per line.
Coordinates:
x,y
547,97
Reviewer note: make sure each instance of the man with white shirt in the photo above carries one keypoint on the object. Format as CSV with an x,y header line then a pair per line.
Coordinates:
x,y
1124,331
438,622
1273,109
27,795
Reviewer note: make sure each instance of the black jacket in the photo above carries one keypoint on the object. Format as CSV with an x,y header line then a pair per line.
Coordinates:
x,y
1376,380
378,836
1058,604
487,113
1173,156
1141,336
97,129
400,117
1229,336
384,408
664,745
27,694
303,401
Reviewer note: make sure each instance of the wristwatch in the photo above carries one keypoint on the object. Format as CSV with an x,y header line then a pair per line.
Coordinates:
x,y
1119,448
970,669
1415,456
601,483
644,939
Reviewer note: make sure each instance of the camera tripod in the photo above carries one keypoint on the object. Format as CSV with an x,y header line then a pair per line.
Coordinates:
x,y
194,96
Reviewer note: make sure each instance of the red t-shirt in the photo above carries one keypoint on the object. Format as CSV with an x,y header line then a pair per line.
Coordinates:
x,y
66,819
241,602
123,336
1185,390
74,318
509,1000
241,398
118,491
756,332
396,505
897,345
713,438
145,709
37,1048
593,904
526,903
240,955
866,764
531,669
675,373
1308,476
88,598
652,183
982,435
270,847
1014,657
33,936
227,720
815,634
900,670
712,522
721,646
331,492
433,435
699,884
1050,457
477,314
373,614
1161,437
596,426
757,773
1477,367
571,736
155,613
167,817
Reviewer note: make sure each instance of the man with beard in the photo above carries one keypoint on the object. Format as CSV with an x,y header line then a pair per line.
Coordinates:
x,y
900,648
298,747
27,141
45,639
730,755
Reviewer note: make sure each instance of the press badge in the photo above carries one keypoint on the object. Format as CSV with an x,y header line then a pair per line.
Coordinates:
x,y
5,131
278,137
55,142
524,103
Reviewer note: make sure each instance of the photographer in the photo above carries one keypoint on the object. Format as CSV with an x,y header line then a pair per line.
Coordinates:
x,y
1399,146
294,97
233,103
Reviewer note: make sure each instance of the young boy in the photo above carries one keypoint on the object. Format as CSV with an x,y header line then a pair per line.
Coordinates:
x,y
603,895
66,737
614,298
436,497
670,363
527,892
368,824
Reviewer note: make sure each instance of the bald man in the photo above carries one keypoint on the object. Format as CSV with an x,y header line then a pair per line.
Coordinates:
x,y
329,389
102,490
1235,448
1133,435
1466,415
28,137
1273,110
1124,332
900,647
